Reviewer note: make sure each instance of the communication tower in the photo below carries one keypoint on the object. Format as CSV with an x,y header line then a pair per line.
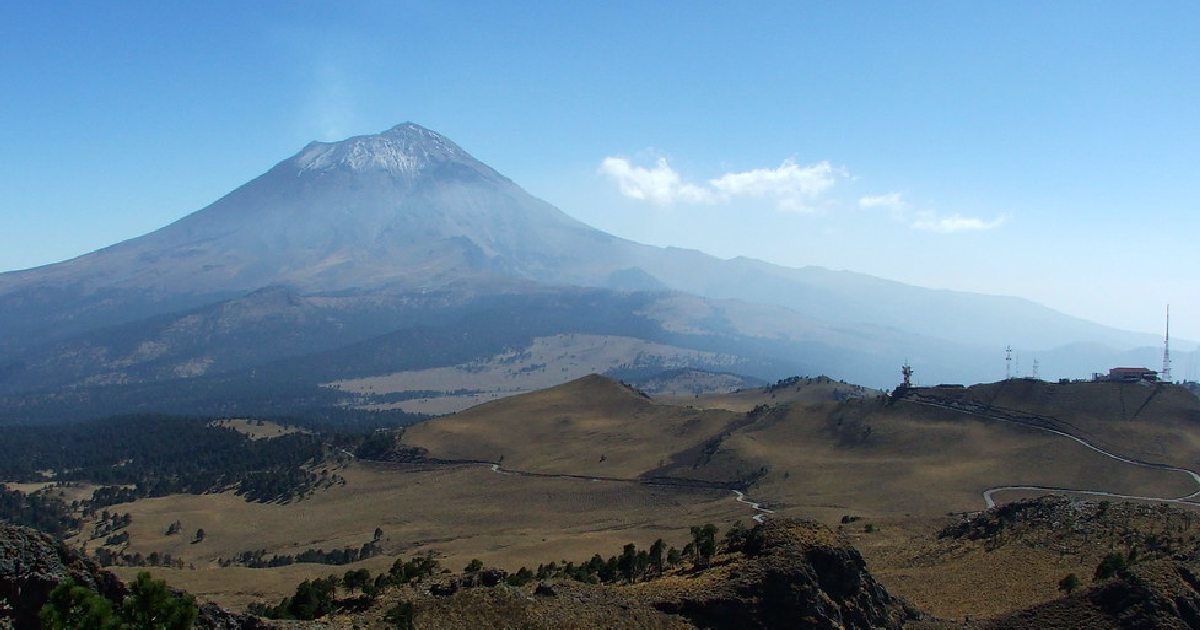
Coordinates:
x,y
907,372
1035,369
1007,362
1165,374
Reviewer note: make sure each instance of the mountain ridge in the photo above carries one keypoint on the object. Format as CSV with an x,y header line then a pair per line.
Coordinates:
x,y
408,210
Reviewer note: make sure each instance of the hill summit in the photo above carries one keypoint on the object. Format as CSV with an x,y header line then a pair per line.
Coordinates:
x,y
406,206
406,149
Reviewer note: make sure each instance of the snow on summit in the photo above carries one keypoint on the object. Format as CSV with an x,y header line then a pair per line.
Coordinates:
x,y
406,148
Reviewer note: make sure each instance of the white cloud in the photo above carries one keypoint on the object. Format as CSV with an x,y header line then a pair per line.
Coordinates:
x,y
792,186
890,200
660,184
901,211
955,223
893,202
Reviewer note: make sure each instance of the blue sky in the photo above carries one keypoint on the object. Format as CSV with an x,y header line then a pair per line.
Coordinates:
x,y
1046,150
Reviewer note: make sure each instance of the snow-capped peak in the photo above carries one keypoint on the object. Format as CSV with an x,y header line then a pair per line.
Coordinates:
x,y
404,149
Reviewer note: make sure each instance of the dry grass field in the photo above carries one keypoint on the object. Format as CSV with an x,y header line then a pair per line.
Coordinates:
x,y
1021,565
819,458
457,513
907,459
1155,423
68,492
905,469
965,581
590,426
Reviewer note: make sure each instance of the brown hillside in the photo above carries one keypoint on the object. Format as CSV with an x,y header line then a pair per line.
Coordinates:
x,y
1159,588
590,426
899,465
1151,422
1013,556
1162,594
827,459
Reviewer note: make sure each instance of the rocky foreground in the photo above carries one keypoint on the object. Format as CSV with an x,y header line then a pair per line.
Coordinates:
x,y
783,574
32,564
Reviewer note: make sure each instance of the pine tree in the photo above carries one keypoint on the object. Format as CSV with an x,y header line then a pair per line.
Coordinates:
x,y
656,556
72,607
151,604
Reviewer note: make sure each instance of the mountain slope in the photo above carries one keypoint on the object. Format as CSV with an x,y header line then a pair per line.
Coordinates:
x,y
868,453
410,207
408,212
590,426
405,206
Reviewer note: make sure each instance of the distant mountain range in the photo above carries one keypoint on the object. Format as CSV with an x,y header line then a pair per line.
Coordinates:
x,y
400,251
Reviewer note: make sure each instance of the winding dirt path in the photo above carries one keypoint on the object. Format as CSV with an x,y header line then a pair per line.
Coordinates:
x,y
991,502
988,495
739,496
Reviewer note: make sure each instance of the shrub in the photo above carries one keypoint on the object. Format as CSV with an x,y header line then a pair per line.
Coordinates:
x,y
1112,564
401,616
1069,583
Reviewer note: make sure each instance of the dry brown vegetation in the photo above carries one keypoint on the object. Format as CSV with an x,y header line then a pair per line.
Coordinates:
x,y
900,458
591,426
870,455
459,513
1151,422
899,465
1015,556
904,469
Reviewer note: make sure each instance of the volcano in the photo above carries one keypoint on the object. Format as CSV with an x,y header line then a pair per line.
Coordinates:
x,y
358,231
406,206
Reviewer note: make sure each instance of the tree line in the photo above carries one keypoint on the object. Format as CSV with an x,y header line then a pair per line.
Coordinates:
x,y
150,604
314,599
259,560
357,589
133,457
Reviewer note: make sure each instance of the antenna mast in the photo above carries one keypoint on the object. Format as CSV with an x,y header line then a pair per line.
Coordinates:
x,y
1165,375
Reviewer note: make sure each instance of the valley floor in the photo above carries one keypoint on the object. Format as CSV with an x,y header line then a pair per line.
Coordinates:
x,y
511,521
590,466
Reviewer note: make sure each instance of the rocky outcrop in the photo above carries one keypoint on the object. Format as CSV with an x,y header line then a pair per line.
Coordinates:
x,y
1161,594
212,617
788,574
485,578
782,574
33,563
